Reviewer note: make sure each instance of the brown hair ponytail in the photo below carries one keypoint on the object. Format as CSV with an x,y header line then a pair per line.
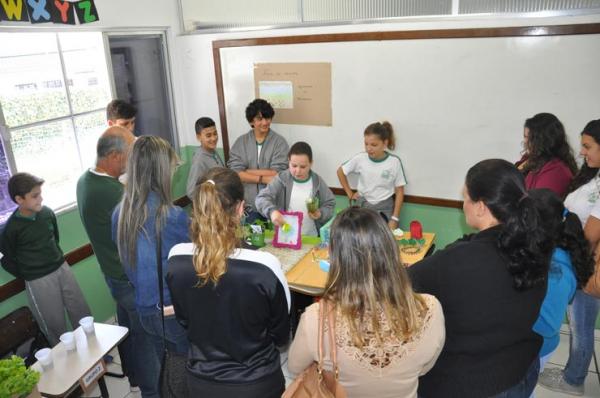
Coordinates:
x,y
384,131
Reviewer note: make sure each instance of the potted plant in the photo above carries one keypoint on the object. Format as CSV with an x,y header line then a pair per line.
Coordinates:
x,y
16,380
255,233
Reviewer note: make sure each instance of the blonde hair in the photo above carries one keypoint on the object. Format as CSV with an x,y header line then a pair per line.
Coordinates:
x,y
366,279
149,169
215,222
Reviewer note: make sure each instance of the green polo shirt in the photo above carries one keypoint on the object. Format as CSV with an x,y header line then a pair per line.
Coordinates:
x,y
97,196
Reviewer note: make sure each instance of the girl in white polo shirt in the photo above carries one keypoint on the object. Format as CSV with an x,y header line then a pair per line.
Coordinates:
x,y
381,177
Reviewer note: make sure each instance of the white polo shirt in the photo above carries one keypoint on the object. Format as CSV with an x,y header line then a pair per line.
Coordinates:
x,y
377,179
584,200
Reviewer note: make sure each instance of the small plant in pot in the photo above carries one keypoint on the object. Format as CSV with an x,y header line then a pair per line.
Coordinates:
x,y
16,380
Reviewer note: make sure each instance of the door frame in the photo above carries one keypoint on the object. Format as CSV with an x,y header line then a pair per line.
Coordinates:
x,y
162,34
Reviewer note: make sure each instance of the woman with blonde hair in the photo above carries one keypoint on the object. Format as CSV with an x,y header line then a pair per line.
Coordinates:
x,y
235,302
386,335
145,216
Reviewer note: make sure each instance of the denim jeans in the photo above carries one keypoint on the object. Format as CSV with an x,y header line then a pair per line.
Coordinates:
x,y
175,336
136,343
582,318
525,387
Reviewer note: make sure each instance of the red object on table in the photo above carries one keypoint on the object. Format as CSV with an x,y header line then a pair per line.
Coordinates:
x,y
416,230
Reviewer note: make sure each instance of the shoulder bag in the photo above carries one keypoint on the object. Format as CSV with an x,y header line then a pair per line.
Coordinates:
x,y
314,381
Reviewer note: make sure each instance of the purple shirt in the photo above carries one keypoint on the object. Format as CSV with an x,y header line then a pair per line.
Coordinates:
x,y
555,175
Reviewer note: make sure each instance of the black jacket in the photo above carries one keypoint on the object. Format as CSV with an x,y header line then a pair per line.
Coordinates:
x,y
489,338
234,327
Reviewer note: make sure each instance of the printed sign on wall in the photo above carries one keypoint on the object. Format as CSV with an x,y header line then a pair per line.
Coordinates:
x,y
46,11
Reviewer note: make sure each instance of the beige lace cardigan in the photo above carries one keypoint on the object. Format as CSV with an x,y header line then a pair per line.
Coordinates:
x,y
388,371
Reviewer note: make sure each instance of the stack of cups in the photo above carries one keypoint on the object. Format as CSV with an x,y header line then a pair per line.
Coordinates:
x,y
87,324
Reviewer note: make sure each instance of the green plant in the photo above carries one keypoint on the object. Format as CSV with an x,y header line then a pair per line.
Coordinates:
x,y
15,378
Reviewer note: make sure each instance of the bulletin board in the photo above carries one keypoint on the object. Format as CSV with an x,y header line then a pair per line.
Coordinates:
x,y
299,92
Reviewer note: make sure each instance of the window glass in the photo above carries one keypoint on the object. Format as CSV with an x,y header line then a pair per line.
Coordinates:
x,y
54,88
85,66
49,151
88,129
32,88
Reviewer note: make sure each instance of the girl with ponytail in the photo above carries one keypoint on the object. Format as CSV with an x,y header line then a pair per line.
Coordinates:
x,y
234,302
491,285
380,173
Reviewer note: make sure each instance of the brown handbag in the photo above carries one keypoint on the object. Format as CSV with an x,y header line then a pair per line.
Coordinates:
x,y
314,381
592,287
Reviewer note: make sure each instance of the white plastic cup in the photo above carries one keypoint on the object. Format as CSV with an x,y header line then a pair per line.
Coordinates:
x,y
87,323
44,356
68,339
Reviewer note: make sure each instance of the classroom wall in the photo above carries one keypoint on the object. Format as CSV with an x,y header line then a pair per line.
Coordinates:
x,y
195,58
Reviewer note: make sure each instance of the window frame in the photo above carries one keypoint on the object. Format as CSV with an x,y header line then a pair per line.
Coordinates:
x,y
6,131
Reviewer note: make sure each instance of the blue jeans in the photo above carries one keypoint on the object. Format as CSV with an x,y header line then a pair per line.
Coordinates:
x,y
175,336
525,387
132,348
582,318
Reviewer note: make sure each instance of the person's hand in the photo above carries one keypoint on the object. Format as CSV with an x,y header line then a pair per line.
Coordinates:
x,y
354,196
315,215
277,218
393,224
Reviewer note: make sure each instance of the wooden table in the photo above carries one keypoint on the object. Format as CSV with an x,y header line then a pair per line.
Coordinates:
x,y
307,277
69,366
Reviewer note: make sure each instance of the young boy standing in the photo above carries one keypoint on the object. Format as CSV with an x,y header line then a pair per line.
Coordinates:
x,y
258,155
31,251
206,157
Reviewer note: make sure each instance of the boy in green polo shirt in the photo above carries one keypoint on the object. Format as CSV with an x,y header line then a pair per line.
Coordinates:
x,y
29,244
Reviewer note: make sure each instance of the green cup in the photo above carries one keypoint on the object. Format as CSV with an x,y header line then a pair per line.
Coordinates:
x,y
257,239
312,204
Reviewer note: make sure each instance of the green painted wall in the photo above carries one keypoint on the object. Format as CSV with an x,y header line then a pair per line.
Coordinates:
x,y
448,224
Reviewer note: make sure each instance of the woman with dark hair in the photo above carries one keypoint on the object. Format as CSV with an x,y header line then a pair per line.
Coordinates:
x,y
548,160
235,302
386,334
571,267
491,285
582,200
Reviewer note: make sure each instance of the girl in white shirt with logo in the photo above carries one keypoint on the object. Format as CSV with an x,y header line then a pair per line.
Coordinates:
x,y
380,174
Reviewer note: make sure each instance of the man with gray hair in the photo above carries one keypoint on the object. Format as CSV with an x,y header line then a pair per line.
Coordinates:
x,y
98,192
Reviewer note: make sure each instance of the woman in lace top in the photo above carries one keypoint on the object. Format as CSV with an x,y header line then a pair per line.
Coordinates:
x,y
386,335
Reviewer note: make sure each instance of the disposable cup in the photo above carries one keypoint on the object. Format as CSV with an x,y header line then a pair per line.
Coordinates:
x,y
44,356
87,323
68,339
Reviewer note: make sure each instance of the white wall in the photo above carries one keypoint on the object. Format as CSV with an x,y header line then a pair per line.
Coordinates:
x,y
195,59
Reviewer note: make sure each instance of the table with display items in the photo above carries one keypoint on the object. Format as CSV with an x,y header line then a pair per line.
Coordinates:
x,y
305,276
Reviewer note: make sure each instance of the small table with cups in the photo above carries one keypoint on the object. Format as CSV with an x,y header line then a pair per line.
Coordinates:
x,y
69,366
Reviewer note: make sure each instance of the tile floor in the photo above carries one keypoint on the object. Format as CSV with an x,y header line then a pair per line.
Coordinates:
x,y
119,388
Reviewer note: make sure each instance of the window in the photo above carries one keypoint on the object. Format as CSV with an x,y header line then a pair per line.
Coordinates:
x,y
54,89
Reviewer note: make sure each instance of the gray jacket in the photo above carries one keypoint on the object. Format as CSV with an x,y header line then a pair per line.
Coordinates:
x,y
202,161
276,196
244,155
